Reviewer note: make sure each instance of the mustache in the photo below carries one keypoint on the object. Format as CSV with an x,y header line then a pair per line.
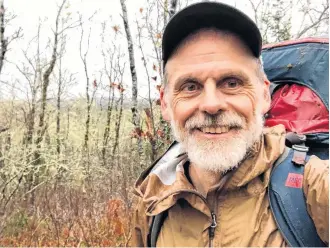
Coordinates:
x,y
224,119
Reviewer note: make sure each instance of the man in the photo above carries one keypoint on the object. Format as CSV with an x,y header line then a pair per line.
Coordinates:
x,y
213,183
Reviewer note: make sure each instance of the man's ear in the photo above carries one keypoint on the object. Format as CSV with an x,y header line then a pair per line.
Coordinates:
x,y
266,96
165,109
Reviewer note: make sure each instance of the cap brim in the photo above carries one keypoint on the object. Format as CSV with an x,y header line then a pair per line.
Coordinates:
x,y
210,14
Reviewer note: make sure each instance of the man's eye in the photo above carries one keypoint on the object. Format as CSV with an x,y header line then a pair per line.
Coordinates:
x,y
191,87
232,83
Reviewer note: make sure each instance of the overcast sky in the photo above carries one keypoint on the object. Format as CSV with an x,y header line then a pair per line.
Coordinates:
x,y
30,12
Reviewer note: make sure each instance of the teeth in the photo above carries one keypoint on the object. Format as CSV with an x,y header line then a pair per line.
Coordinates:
x,y
215,130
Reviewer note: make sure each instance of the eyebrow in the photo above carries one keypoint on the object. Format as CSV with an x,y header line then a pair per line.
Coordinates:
x,y
240,75
183,79
228,74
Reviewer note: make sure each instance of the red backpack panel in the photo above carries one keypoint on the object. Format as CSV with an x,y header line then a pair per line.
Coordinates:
x,y
299,109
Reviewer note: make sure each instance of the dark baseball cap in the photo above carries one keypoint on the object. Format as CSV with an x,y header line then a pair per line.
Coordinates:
x,y
210,15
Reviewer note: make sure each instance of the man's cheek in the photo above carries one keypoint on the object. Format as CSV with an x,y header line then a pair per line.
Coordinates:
x,y
245,104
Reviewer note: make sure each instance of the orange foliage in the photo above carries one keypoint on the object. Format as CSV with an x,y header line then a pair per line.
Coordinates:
x,y
137,132
160,133
110,229
113,85
117,86
148,119
115,28
114,215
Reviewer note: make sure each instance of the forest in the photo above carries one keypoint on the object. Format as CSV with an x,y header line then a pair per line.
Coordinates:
x,y
80,112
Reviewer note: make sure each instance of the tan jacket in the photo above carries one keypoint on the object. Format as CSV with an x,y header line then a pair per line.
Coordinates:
x,y
240,201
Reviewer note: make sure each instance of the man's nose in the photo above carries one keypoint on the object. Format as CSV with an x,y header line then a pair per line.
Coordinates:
x,y
213,100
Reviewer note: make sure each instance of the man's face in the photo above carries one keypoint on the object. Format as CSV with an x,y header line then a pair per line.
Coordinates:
x,y
215,100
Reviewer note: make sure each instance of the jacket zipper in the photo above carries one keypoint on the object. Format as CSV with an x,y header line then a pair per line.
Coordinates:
x,y
213,215
212,228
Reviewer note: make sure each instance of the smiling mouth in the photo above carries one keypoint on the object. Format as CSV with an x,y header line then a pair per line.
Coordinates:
x,y
216,130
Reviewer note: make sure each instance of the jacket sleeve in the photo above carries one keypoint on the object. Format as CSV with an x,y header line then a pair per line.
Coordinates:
x,y
140,226
316,189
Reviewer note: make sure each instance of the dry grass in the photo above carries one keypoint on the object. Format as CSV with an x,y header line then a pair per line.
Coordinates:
x,y
73,198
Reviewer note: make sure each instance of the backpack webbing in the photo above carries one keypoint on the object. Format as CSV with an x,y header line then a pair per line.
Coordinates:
x,y
288,204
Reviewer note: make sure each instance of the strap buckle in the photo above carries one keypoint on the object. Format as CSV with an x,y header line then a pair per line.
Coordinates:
x,y
299,154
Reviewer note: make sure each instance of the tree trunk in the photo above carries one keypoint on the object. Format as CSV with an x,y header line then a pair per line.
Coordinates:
x,y
58,114
173,6
107,127
30,124
165,11
135,117
149,112
45,84
67,124
88,101
3,40
118,123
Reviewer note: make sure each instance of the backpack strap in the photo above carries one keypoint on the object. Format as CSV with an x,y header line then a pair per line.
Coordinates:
x,y
155,227
288,202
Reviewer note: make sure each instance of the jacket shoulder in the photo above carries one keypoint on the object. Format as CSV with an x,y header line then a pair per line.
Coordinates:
x,y
141,223
316,190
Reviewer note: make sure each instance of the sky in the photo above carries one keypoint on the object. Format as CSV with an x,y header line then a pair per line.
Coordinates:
x,y
30,13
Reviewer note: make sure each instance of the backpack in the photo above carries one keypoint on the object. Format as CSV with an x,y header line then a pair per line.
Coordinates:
x,y
299,75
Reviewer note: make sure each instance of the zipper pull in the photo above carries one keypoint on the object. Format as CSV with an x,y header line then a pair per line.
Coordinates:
x,y
213,225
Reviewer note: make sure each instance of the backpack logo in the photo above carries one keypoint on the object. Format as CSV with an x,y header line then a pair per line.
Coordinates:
x,y
294,181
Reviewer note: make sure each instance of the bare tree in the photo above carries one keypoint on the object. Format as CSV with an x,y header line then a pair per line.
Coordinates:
x,y
45,84
173,7
31,71
5,41
119,110
37,72
150,111
58,104
314,18
155,19
274,18
111,59
135,115
64,79
90,90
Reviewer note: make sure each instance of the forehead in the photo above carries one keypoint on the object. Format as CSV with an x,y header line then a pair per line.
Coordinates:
x,y
209,52
218,37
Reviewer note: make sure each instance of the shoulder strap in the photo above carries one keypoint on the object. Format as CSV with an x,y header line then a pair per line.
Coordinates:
x,y
288,203
155,228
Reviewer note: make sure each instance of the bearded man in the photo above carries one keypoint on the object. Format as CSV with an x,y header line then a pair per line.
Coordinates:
x,y
213,182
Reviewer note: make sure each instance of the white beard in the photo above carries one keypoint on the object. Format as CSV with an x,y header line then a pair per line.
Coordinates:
x,y
224,154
